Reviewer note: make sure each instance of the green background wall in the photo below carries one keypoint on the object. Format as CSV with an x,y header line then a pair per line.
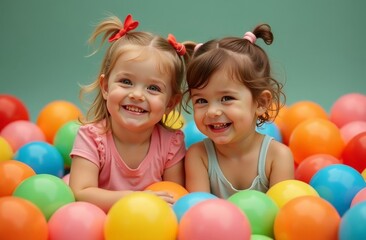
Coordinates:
x,y
319,49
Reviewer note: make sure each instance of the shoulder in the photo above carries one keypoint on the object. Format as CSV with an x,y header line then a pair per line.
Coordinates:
x,y
280,153
176,137
197,151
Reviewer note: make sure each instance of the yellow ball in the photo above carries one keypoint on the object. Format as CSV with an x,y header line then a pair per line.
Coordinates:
x,y
141,215
174,120
364,174
6,152
287,190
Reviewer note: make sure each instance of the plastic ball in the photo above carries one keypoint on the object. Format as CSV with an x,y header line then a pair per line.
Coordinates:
x,y
354,154
66,178
176,190
77,220
310,165
359,197
21,219
283,192
174,120
214,219
6,151
183,204
64,140
259,208
297,113
54,115
192,134
47,192
348,108
350,130
21,132
316,136
279,120
307,217
12,173
338,184
140,215
352,225
270,129
260,237
42,157
12,109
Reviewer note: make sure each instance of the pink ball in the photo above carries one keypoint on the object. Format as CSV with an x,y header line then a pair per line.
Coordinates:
x,y
66,178
77,220
359,197
351,129
214,219
348,108
20,132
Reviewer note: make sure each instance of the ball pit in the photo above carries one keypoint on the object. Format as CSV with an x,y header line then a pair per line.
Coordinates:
x,y
176,190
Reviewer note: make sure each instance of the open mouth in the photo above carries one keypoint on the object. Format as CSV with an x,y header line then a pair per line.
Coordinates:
x,y
134,109
219,126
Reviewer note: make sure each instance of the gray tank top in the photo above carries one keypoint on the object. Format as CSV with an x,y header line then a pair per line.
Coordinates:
x,y
220,186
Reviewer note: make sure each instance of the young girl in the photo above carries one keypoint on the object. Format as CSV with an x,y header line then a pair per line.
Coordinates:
x,y
232,91
124,144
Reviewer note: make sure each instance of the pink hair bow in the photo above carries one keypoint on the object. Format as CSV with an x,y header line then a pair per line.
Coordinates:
x,y
180,48
129,25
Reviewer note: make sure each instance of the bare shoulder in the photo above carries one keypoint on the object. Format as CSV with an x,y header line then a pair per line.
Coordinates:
x,y
280,151
196,151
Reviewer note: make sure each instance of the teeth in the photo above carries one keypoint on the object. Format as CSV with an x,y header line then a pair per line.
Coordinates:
x,y
219,126
134,109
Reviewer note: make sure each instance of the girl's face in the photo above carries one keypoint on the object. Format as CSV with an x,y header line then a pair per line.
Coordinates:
x,y
137,92
224,109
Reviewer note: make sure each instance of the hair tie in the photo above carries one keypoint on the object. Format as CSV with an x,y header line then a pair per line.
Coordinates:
x,y
129,25
197,47
180,48
250,37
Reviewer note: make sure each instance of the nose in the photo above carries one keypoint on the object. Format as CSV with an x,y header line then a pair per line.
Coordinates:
x,y
137,95
213,111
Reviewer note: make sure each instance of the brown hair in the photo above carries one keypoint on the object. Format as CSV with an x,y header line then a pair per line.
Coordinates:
x,y
246,61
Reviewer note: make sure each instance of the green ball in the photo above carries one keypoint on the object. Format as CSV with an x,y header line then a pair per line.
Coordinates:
x,y
259,208
64,140
46,191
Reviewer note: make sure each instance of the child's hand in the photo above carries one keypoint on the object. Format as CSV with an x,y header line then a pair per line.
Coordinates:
x,y
167,197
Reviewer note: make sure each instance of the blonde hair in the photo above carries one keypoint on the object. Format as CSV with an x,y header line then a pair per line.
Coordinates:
x,y
169,63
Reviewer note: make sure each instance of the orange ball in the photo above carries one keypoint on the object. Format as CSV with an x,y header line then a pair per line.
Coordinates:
x,y
176,190
12,173
307,217
21,219
297,113
54,115
316,136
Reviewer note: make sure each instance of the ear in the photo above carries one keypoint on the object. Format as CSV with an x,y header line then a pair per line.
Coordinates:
x,y
263,102
103,82
174,100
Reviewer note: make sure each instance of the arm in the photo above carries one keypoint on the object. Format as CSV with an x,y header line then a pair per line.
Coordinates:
x,y
197,179
175,173
282,166
84,183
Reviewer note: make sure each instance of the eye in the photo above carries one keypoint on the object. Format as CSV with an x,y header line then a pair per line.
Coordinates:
x,y
126,81
154,88
200,101
226,98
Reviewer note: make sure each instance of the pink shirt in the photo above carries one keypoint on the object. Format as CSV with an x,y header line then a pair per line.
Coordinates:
x,y
166,149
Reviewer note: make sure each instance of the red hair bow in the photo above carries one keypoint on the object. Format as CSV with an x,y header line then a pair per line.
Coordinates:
x,y
129,25
180,48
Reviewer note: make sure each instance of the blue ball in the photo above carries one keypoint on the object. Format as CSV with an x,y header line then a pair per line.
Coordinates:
x,y
352,224
192,134
187,201
42,157
338,184
271,129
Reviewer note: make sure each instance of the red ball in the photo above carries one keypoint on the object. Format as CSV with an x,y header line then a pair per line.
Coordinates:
x,y
310,165
11,109
354,154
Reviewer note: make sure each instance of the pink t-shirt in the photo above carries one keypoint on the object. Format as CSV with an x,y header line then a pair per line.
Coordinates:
x,y
166,149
